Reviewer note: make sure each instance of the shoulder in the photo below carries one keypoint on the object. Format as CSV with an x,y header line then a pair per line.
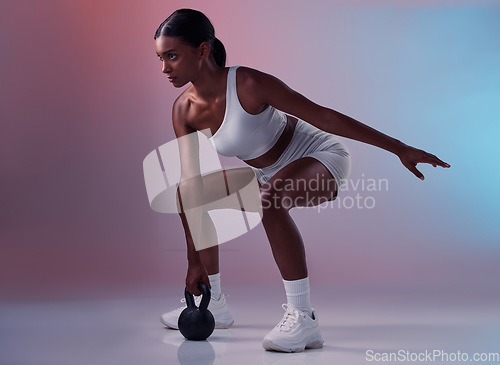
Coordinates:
x,y
253,80
181,111
254,86
183,104
258,89
250,78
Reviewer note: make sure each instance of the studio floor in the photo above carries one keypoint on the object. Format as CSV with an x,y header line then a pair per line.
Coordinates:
x,y
359,326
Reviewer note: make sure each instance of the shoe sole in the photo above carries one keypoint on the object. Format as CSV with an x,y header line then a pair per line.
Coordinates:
x,y
271,346
220,325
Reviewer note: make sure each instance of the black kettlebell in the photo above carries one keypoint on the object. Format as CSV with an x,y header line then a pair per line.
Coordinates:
x,y
195,323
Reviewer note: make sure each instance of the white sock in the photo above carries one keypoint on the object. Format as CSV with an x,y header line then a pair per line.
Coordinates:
x,y
298,294
215,291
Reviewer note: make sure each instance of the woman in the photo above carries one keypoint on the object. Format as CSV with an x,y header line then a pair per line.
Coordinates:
x,y
284,138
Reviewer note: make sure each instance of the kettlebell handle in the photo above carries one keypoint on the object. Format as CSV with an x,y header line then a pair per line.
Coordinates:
x,y
205,299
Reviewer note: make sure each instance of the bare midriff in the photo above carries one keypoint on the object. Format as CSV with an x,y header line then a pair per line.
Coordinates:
x,y
275,152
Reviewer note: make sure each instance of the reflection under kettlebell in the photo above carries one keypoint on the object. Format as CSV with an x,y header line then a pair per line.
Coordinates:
x,y
199,353
195,323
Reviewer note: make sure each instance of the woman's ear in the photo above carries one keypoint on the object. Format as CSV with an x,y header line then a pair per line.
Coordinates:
x,y
205,49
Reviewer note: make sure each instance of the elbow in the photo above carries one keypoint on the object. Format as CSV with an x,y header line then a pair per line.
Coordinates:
x,y
186,186
189,187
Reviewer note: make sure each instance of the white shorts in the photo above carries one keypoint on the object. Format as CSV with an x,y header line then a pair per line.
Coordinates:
x,y
310,141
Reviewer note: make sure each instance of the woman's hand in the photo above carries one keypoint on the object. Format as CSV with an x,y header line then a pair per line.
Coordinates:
x,y
196,273
411,156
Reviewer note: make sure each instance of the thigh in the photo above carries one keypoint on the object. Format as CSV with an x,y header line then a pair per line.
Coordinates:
x,y
304,182
219,185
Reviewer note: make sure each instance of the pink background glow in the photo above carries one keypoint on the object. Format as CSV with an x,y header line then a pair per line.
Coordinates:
x,y
83,101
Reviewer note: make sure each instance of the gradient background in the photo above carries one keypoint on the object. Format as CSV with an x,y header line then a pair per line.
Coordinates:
x,y
83,101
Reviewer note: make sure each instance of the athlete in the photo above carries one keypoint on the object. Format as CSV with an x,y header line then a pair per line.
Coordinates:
x,y
283,137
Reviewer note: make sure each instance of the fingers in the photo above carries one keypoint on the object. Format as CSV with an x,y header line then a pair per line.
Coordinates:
x,y
196,292
418,173
435,161
415,156
192,286
414,170
193,289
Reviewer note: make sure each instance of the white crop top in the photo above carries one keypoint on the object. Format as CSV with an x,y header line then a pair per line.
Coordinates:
x,y
242,134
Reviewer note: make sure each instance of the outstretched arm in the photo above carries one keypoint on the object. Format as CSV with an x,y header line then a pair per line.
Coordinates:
x,y
342,125
272,91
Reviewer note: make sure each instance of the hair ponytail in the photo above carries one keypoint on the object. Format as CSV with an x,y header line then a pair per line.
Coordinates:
x,y
219,52
193,27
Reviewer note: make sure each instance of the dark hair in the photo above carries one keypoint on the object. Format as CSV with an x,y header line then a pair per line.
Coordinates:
x,y
194,28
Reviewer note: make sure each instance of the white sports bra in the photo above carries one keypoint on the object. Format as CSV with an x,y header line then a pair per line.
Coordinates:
x,y
246,135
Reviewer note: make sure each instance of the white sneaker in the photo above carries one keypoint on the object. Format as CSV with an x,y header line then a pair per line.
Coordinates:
x,y
296,332
218,307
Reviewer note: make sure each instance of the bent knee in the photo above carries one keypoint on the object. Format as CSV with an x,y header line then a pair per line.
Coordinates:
x,y
274,197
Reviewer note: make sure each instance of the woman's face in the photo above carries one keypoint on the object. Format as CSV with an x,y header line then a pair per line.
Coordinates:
x,y
181,61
